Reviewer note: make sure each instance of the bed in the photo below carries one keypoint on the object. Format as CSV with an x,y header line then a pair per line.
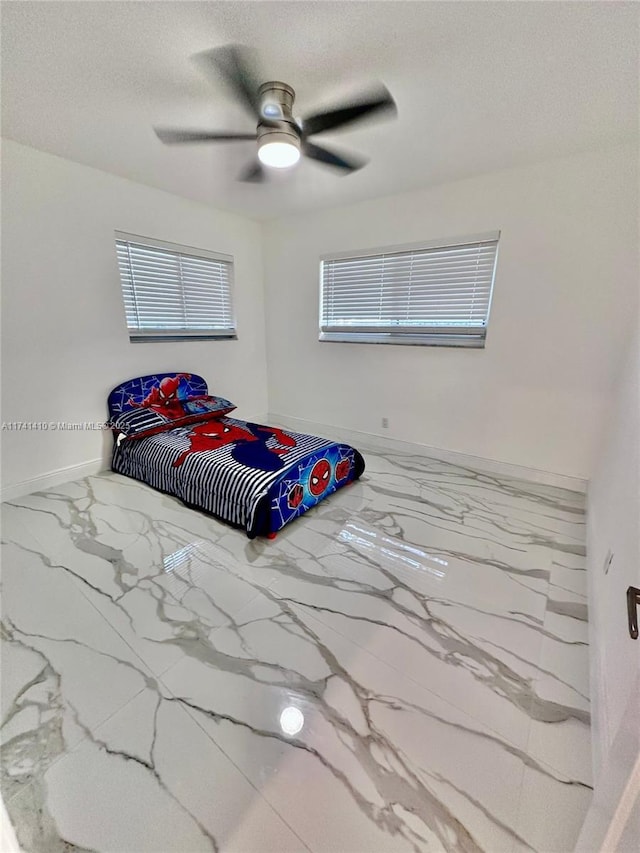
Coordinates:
x,y
256,477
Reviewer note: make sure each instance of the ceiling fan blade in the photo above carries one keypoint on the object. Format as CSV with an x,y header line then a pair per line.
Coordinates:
x,y
378,101
347,163
175,136
233,62
253,174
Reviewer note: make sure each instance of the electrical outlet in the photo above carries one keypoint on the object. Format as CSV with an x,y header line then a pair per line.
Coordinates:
x,y
385,423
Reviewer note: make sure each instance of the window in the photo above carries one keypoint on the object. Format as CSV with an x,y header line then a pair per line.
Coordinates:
x,y
174,292
432,293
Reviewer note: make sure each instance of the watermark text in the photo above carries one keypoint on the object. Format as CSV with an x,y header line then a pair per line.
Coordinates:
x,y
53,426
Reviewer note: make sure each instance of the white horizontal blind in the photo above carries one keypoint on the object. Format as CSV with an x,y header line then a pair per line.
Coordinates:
x,y
173,291
425,294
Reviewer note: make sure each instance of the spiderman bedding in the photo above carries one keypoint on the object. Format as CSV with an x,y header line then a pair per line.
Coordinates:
x,y
171,435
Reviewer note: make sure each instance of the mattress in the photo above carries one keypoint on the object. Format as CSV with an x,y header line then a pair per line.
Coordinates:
x,y
251,475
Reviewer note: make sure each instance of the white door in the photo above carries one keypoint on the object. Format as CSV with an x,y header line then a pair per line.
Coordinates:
x,y
613,821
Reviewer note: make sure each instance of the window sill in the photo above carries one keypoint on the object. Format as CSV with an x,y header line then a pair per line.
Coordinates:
x,y
468,341
155,339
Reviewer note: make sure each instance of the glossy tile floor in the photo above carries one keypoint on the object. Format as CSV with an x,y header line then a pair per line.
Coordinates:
x,y
403,669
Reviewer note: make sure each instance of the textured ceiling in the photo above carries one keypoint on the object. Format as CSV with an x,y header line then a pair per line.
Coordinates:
x,y
479,86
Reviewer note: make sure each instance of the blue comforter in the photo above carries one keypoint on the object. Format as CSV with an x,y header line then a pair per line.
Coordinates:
x,y
254,476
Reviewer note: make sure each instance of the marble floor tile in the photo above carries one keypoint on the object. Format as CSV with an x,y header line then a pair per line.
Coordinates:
x,y
464,630
395,767
552,807
566,614
404,669
64,669
560,732
149,779
154,570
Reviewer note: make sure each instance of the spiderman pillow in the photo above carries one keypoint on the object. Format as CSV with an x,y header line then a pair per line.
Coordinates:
x,y
155,416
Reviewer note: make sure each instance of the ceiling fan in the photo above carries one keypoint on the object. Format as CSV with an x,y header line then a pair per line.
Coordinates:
x,y
281,138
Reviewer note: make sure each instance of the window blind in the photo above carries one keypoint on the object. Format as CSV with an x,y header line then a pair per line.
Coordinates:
x,y
174,292
436,293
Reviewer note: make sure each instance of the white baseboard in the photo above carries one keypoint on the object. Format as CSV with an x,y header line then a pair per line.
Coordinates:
x,y
72,472
477,463
52,478
355,437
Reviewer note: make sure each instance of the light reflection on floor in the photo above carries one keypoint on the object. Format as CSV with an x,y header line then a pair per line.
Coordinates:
x,y
395,550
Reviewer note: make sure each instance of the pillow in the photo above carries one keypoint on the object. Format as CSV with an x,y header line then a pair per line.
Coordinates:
x,y
206,404
142,421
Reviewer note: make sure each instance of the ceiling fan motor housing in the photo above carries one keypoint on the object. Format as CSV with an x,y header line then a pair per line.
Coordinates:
x,y
276,102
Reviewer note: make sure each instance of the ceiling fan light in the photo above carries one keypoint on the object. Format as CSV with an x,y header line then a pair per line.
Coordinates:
x,y
279,155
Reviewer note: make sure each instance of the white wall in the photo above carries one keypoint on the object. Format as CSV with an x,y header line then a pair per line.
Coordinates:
x,y
564,293
535,396
613,523
64,336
